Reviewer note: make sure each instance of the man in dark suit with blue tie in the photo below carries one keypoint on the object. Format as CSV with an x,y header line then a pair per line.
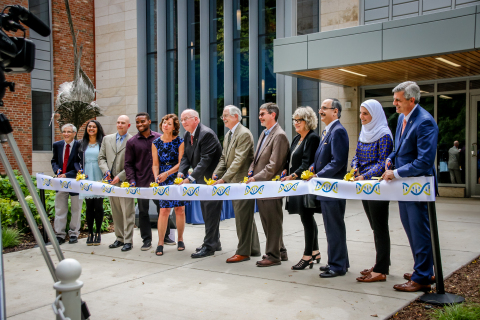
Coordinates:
x,y
65,155
331,160
414,155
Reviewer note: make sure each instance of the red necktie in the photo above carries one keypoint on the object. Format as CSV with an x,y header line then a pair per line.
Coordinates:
x,y
404,125
191,139
65,158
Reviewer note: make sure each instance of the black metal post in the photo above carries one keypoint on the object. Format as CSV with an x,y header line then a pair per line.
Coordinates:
x,y
44,230
440,297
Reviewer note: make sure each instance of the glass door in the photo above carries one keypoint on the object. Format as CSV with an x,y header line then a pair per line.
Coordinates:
x,y
473,153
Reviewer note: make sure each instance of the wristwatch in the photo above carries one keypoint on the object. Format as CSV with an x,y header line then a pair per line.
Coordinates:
x,y
192,179
294,175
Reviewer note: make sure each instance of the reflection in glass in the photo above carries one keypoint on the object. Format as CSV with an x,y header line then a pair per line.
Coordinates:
x,y
41,111
240,58
193,69
451,121
152,62
172,59
216,67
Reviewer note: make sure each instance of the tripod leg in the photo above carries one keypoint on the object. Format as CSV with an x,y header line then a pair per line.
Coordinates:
x,y
28,213
36,199
3,311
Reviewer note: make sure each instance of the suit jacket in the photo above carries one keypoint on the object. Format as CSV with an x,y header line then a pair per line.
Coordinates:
x,y
453,158
109,158
415,150
236,157
304,155
272,158
57,159
331,157
203,155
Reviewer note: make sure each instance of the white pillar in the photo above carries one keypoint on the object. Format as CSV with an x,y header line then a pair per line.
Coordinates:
x,y
162,101
253,85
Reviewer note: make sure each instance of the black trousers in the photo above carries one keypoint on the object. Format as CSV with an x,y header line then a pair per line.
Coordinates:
x,y
377,214
94,214
311,231
211,212
144,219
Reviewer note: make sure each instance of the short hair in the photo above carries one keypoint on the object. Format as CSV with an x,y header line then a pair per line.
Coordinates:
x,y
336,105
411,90
74,129
192,112
143,114
307,114
176,123
271,107
234,111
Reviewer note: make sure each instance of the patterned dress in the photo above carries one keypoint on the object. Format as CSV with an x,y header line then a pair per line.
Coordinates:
x,y
370,157
168,158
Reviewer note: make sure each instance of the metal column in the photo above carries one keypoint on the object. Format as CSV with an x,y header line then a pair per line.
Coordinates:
x,y
253,84
205,62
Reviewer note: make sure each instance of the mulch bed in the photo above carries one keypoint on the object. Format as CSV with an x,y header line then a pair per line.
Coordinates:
x,y
464,282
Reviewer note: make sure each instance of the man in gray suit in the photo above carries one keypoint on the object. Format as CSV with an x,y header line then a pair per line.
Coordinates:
x,y
236,156
454,163
269,161
111,160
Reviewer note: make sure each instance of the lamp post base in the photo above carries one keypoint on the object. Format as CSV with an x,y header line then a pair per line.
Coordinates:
x,y
441,299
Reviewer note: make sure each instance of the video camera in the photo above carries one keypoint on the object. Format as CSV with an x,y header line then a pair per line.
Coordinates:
x,y
17,55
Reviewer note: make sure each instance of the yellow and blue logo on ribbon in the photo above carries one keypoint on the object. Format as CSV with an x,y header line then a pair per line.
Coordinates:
x,y
327,186
133,190
221,191
416,189
287,187
254,189
190,191
46,182
86,186
161,191
368,188
108,189
65,184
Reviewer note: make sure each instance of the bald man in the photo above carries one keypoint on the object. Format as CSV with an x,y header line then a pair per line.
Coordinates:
x,y
111,160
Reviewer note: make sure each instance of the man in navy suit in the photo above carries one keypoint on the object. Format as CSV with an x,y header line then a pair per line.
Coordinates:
x,y
65,155
414,155
331,160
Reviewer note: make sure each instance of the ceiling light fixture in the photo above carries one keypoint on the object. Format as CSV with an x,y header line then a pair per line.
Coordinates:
x,y
421,91
448,62
445,97
358,74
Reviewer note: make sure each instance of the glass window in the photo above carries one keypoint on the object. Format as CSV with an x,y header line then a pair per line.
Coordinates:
x,y
172,59
193,12
41,113
152,62
40,9
452,86
240,59
216,67
451,110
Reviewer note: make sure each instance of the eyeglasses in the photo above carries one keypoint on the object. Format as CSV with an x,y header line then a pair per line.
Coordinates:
x,y
262,114
325,108
222,117
67,131
185,119
297,120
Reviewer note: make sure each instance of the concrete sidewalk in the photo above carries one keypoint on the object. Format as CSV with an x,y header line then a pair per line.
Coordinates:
x,y
140,285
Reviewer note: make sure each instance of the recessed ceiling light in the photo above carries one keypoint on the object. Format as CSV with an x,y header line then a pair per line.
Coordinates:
x,y
358,74
445,97
448,62
421,91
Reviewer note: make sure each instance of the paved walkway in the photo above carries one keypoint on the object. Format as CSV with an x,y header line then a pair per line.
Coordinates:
x,y
139,285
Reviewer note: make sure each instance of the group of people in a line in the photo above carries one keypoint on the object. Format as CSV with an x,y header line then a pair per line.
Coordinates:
x,y
150,156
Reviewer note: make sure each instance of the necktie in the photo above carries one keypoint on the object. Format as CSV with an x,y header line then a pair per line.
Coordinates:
x,y
324,133
119,143
191,139
229,137
65,158
404,125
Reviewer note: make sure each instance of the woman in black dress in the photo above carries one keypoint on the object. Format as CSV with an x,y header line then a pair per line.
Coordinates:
x,y
302,152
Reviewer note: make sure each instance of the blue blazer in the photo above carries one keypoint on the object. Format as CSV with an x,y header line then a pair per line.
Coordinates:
x,y
331,157
57,160
415,150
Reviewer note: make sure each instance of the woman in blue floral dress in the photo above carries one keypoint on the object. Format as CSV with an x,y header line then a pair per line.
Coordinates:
x,y
167,152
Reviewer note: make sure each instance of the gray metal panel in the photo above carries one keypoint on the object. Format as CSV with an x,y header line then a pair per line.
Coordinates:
x,y
228,51
290,40
429,38
142,56
376,21
347,50
253,67
373,4
182,21
42,55
343,32
42,65
376,14
477,31
401,1
44,85
42,45
405,8
458,2
430,17
41,74
204,63
162,100
291,57
436,4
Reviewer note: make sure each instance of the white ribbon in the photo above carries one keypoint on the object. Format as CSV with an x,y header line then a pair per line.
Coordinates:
x,y
406,189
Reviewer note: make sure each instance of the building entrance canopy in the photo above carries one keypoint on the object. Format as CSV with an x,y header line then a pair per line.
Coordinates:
x,y
434,46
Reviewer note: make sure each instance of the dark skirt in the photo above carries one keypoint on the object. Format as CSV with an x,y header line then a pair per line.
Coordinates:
x,y
294,205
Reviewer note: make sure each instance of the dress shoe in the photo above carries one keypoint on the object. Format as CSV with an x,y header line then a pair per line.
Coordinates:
x,y
325,268
331,274
60,240
366,271
219,248
369,278
268,263
408,276
116,244
146,245
127,247
169,241
72,240
412,286
204,252
238,258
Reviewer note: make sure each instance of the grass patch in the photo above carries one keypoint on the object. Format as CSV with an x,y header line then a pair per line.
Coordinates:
x,y
458,312
11,237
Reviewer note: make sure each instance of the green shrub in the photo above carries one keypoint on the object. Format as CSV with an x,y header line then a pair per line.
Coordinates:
x,y
458,312
11,237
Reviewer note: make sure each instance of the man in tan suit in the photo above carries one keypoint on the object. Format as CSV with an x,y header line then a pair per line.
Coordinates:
x,y
236,156
269,161
111,160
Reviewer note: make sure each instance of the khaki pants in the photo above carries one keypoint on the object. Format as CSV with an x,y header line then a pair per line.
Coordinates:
x,y
123,214
61,213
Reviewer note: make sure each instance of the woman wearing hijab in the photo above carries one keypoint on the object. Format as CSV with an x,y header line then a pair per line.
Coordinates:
x,y
374,145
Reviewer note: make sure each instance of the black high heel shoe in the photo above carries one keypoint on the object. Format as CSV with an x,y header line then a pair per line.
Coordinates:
x,y
302,264
314,257
90,240
97,239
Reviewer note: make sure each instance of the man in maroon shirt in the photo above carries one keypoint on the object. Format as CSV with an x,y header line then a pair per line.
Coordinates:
x,y
138,169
